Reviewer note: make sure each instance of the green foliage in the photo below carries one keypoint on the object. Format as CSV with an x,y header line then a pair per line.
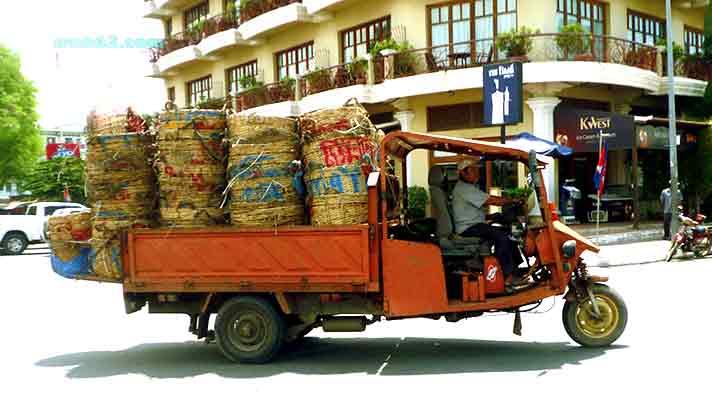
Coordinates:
x,y
417,201
288,82
707,45
517,43
319,78
49,178
517,193
249,82
20,142
573,40
678,52
357,69
389,44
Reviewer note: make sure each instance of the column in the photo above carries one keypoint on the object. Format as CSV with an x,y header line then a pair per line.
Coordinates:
x,y
543,126
406,122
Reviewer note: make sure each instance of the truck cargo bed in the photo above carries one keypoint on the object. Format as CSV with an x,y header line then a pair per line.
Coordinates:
x,y
224,259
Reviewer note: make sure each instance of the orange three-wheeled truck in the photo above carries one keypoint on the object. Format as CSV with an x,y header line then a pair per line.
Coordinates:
x,y
271,286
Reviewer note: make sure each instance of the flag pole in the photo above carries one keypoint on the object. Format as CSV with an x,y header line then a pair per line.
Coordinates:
x,y
598,190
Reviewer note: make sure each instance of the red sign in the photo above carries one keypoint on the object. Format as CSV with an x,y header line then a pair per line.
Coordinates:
x,y
57,150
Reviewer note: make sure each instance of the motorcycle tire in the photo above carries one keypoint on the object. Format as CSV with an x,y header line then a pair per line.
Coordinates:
x,y
673,250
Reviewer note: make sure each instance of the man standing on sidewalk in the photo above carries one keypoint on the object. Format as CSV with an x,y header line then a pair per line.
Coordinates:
x,y
666,203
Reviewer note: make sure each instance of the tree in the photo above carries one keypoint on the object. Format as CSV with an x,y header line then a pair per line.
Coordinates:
x,y
49,178
20,143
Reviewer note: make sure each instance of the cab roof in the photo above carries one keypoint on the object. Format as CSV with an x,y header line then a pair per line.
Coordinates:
x,y
401,143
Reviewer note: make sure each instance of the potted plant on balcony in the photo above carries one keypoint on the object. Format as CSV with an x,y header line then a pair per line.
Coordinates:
x,y
282,91
516,45
318,81
574,43
231,13
253,94
356,72
249,9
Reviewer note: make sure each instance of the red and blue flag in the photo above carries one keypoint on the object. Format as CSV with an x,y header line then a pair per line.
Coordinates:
x,y
599,179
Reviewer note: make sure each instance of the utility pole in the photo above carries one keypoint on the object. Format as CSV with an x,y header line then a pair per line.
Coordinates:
x,y
672,131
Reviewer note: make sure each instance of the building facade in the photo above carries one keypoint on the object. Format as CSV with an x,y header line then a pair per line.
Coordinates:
x,y
285,57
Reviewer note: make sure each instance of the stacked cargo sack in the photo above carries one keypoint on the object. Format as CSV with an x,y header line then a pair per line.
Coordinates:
x,y
68,237
340,149
120,185
264,172
190,165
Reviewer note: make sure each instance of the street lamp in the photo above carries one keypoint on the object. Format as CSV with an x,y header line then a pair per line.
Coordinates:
x,y
672,131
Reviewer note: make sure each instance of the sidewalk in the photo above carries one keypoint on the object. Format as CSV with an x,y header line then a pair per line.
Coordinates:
x,y
628,254
621,232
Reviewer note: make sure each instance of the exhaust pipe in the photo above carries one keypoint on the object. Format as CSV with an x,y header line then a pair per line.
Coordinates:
x,y
344,324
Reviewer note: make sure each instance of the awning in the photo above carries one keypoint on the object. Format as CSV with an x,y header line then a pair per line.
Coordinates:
x,y
683,124
527,142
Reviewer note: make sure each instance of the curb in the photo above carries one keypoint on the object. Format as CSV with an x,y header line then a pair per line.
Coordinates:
x,y
629,237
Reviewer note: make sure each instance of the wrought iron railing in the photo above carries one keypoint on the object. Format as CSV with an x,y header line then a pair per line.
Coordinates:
x,y
541,48
694,67
253,8
200,31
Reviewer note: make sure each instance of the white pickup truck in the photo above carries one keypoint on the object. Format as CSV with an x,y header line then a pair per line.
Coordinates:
x,y
18,231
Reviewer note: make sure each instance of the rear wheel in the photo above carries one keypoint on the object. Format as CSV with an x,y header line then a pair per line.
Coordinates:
x,y
249,330
587,329
14,244
673,250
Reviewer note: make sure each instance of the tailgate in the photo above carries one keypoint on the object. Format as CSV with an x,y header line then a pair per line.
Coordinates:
x,y
301,259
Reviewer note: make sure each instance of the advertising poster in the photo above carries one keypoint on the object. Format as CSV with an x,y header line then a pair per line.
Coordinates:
x,y
58,150
502,91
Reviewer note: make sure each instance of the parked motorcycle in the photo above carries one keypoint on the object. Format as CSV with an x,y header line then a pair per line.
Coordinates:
x,y
692,237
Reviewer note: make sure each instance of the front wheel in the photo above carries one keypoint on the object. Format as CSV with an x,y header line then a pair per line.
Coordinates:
x,y
249,330
673,250
14,244
585,328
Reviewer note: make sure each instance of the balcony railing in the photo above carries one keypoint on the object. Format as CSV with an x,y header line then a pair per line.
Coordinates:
x,y
694,67
253,8
200,31
542,48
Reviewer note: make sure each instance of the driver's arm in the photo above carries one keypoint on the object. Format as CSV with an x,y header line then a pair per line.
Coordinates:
x,y
498,201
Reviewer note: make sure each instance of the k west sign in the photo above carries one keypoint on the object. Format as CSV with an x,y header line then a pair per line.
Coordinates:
x,y
582,130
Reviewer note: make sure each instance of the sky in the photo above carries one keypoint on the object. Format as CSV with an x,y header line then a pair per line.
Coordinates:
x,y
73,79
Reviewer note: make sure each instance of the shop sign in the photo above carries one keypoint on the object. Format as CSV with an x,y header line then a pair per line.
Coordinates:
x,y
583,129
652,137
59,150
503,100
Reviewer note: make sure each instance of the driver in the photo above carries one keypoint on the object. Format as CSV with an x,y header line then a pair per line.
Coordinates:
x,y
468,212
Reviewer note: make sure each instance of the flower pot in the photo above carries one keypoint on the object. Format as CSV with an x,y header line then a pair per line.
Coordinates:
x,y
521,59
584,57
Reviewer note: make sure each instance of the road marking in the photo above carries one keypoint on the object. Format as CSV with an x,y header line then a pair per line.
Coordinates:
x,y
385,362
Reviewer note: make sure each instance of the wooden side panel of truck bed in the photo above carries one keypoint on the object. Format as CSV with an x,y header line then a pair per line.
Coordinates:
x,y
300,259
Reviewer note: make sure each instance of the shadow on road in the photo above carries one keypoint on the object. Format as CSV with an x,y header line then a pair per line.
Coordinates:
x,y
314,356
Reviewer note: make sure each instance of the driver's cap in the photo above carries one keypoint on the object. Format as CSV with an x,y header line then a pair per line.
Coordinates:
x,y
467,162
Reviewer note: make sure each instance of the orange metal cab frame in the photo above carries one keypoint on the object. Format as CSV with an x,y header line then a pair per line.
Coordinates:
x,y
413,272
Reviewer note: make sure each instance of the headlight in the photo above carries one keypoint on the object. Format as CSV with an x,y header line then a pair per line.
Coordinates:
x,y
569,249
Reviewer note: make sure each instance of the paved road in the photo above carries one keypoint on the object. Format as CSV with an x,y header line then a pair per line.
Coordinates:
x,y
70,339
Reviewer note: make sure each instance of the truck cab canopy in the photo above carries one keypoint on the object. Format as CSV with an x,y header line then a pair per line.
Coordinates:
x,y
401,143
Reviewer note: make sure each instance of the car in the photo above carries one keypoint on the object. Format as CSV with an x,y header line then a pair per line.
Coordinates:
x,y
19,231
59,213
15,209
